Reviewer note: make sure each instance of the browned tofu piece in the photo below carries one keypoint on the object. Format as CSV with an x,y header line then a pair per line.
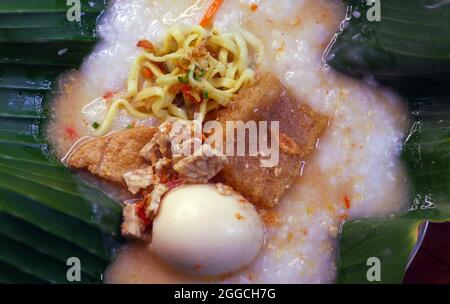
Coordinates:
x,y
111,156
268,100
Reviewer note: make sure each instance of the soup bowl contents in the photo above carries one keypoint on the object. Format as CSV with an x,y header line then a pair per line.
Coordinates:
x,y
235,151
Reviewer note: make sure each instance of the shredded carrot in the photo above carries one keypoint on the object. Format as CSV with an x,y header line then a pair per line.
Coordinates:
x,y
347,202
145,44
147,73
211,12
253,7
187,92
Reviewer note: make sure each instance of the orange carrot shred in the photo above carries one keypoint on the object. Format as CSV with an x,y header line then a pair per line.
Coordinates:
x,y
147,73
253,7
146,45
211,12
187,92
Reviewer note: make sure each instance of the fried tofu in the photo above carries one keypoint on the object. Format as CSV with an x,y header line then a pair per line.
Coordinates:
x,y
299,130
112,156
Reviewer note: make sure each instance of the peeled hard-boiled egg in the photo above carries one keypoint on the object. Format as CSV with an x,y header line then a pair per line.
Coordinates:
x,y
202,231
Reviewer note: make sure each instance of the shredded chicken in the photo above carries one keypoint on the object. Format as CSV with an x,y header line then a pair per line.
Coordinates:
x,y
155,198
199,169
158,145
139,179
132,225
174,156
173,149
162,168
135,224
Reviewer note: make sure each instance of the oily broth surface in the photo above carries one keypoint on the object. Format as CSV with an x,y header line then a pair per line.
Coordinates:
x,y
355,171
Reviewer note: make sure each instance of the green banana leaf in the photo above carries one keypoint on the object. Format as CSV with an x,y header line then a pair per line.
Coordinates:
x,y
47,215
408,50
410,40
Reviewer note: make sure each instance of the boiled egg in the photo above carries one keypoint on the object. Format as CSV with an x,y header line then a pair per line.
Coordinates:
x,y
201,230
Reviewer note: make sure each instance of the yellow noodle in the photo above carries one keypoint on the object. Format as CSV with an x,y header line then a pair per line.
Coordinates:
x,y
255,43
223,83
177,112
149,93
133,76
186,56
154,68
111,113
243,53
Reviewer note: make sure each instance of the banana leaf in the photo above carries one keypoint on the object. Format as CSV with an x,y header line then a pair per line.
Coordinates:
x,y
47,215
409,51
409,40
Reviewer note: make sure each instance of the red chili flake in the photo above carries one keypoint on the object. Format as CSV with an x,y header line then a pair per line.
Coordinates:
x,y
71,132
347,202
108,95
141,214
305,232
253,7
146,45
